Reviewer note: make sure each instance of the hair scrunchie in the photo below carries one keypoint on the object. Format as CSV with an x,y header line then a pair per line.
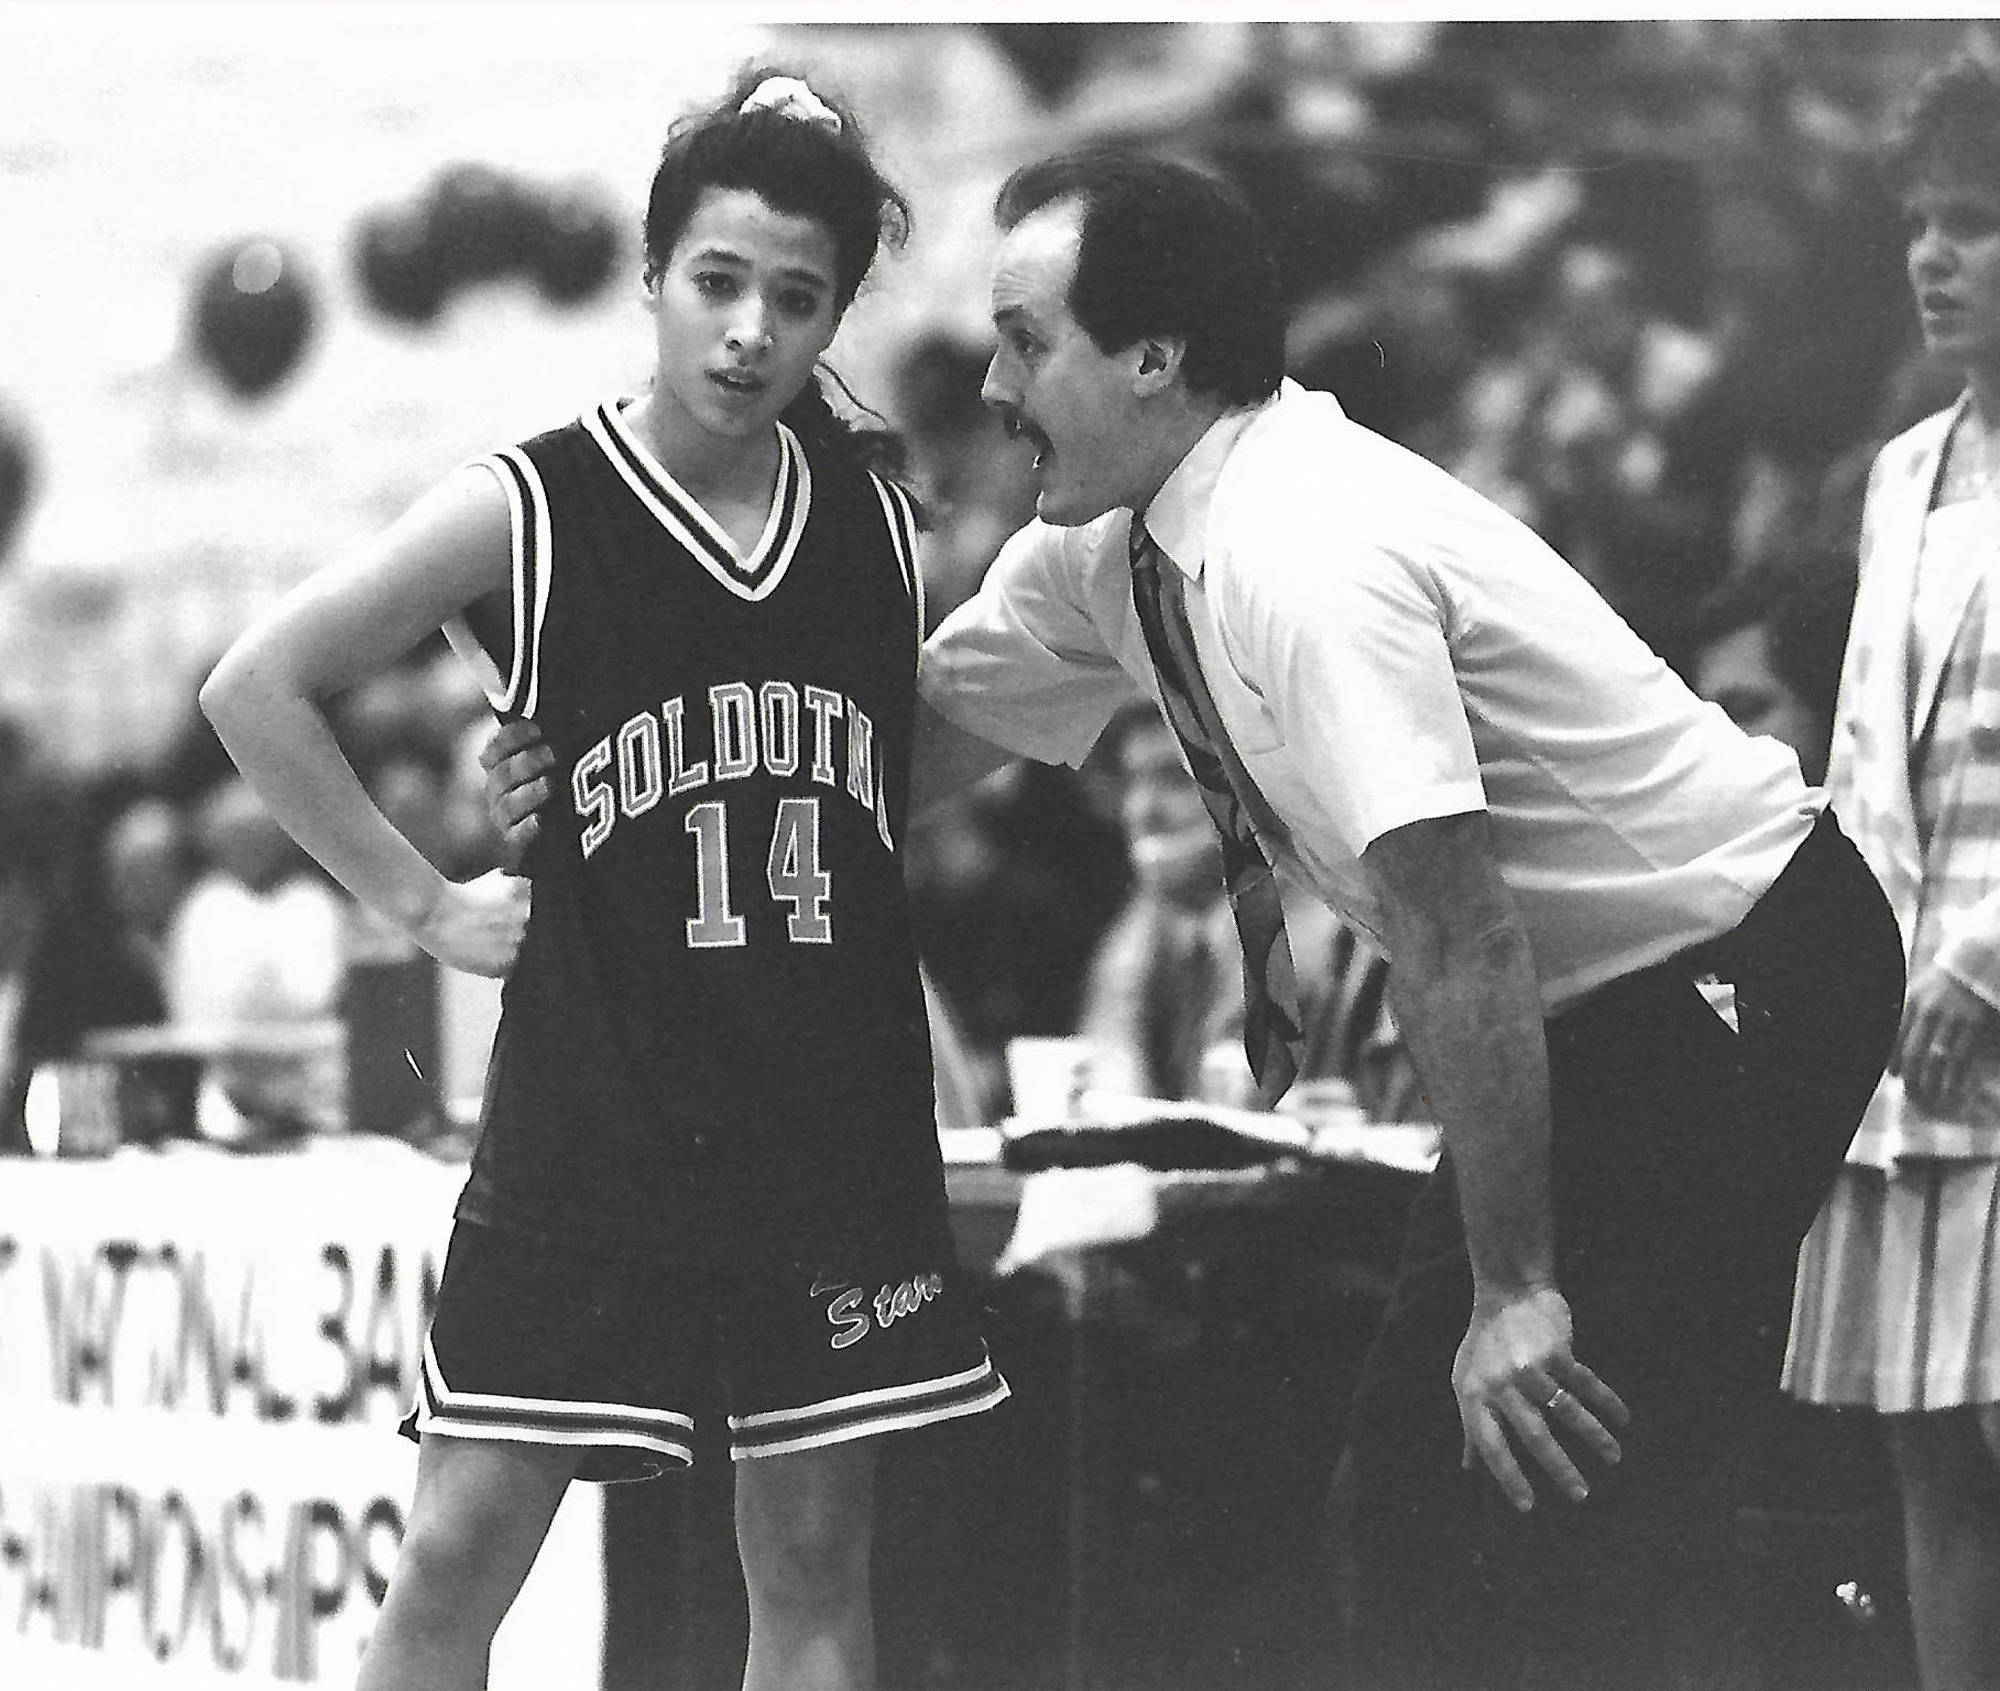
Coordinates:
x,y
789,97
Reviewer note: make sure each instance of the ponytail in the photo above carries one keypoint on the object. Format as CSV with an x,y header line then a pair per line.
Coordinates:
x,y
876,447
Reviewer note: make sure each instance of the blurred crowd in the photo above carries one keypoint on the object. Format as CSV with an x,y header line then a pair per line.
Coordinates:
x,y
168,898
1634,281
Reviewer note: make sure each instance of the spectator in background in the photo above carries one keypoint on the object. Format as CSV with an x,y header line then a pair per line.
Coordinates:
x,y
974,494
70,960
1166,982
1576,431
1767,649
31,1029
1399,347
1011,884
256,957
146,863
1164,993
1899,1279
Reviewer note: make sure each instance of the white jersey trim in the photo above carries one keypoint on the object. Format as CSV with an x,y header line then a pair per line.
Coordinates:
x,y
902,519
528,516
754,576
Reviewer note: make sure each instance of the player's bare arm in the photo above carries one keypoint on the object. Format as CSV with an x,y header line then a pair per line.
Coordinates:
x,y
267,698
1463,986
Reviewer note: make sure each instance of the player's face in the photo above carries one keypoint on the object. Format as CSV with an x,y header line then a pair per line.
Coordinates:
x,y
742,310
1954,266
1050,382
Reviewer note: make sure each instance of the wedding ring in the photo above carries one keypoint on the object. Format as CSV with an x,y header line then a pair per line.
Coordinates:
x,y
1559,1394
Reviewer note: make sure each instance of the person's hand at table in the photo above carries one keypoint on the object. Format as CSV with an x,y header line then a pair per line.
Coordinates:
x,y
1519,1384
517,762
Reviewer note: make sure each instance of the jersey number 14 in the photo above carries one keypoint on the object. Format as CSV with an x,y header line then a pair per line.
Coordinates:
x,y
792,870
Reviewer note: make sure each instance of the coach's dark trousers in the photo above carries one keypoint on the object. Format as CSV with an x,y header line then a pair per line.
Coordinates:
x,y
1688,1161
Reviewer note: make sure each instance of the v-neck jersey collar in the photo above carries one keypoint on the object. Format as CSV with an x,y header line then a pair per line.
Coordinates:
x,y
752,576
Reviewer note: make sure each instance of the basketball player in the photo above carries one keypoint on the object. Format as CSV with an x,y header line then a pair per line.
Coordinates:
x,y
708,1138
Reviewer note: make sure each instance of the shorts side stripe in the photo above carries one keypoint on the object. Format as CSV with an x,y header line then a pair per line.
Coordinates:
x,y
862,1400
483,1404
533,1421
867,1414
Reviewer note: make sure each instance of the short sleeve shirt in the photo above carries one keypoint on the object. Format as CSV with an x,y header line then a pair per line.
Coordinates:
x,y
1386,646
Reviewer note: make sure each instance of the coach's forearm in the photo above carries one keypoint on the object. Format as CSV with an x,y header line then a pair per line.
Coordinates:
x,y
1463,987
1472,1018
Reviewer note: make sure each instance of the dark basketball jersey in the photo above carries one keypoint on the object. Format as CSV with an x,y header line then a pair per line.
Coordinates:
x,y
715,1034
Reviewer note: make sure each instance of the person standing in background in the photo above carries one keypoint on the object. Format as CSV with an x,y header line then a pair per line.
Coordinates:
x,y
83,904
1165,988
256,952
1767,649
1897,1307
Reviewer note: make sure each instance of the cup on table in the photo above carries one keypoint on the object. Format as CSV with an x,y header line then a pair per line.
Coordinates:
x,y
73,1109
1049,1074
1225,1078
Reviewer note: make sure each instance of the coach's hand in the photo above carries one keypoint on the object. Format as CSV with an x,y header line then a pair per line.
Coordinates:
x,y
1519,1385
517,763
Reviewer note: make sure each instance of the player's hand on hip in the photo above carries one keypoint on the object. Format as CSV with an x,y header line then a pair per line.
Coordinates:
x,y
517,762
478,925
1522,1394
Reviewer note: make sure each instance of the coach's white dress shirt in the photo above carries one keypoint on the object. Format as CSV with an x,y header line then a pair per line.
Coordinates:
x,y
1385,646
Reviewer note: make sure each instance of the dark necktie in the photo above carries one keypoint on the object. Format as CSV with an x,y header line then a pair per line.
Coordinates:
x,y
1270,991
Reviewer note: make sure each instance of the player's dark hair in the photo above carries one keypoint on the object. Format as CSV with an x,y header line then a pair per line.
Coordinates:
x,y
1167,249
802,169
1949,125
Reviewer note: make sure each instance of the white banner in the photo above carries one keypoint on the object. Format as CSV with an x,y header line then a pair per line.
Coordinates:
x,y
202,1362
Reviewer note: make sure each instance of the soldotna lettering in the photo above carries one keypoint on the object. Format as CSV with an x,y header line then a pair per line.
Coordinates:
x,y
626,773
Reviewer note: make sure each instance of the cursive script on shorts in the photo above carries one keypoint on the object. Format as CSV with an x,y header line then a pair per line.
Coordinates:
x,y
853,1315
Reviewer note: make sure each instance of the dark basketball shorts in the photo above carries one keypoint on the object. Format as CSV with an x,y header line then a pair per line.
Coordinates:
x,y
538,1343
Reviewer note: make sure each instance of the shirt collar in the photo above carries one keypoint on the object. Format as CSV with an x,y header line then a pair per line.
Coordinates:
x,y
1177,518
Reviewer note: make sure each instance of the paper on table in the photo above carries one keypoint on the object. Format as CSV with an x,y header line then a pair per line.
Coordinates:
x,y
1073,1209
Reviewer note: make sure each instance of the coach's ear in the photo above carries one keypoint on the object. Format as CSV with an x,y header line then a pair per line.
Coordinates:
x,y
1156,363
517,762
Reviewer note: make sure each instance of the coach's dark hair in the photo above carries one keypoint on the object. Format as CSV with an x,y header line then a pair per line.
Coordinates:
x,y
1950,122
1167,249
804,170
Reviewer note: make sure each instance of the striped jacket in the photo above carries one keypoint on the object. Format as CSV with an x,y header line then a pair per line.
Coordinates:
x,y
1944,716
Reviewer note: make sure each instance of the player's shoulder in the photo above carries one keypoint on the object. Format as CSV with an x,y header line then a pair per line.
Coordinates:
x,y
527,465
573,438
